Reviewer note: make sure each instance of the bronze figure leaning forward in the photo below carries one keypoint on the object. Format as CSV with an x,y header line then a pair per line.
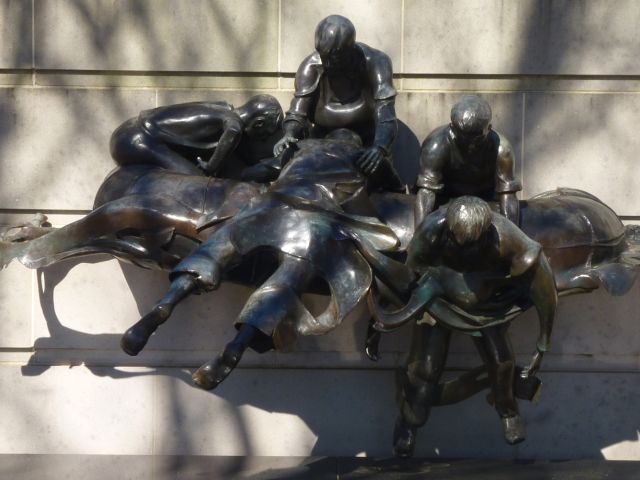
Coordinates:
x,y
346,84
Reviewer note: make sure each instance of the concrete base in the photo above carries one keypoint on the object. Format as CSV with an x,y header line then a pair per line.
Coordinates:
x,y
99,467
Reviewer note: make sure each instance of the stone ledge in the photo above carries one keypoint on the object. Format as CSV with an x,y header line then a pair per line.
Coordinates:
x,y
99,467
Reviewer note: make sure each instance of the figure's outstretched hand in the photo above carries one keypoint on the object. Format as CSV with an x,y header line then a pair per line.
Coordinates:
x,y
371,160
282,144
534,366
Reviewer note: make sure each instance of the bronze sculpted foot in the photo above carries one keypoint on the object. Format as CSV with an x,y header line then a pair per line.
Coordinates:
x,y
134,339
404,439
212,373
514,430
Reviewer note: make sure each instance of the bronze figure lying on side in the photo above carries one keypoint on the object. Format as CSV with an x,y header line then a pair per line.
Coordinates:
x,y
196,138
154,217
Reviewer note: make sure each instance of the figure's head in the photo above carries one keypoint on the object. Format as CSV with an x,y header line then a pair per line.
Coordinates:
x,y
468,218
262,116
471,121
345,135
335,39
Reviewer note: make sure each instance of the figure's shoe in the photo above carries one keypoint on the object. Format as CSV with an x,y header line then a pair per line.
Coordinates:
x,y
134,339
212,373
514,431
404,439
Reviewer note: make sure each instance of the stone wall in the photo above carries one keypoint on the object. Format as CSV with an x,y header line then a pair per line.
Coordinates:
x,y
563,80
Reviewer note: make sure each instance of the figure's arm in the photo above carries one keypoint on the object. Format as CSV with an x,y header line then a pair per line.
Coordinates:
x,y
506,184
545,298
228,142
527,258
297,120
425,202
376,160
296,123
433,157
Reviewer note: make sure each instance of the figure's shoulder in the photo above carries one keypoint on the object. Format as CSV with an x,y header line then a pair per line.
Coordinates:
x,y
501,143
424,245
521,250
308,75
379,70
438,143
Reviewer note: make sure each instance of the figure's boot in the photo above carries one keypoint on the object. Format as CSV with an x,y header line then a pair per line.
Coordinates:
x,y
134,339
212,373
514,429
404,439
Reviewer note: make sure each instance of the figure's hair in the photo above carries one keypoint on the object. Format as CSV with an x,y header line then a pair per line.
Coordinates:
x,y
467,218
263,105
345,135
471,114
333,33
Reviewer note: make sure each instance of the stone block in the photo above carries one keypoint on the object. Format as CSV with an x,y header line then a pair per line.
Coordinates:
x,y
527,37
16,284
583,141
377,22
423,112
271,412
157,35
76,410
16,27
87,467
54,143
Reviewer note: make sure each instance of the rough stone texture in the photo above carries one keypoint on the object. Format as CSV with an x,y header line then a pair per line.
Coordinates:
x,y
583,141
377,24
15,31
527,37
57,140
76,410
159,35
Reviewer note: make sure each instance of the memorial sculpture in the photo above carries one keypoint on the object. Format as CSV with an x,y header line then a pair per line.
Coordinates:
x,y
476,257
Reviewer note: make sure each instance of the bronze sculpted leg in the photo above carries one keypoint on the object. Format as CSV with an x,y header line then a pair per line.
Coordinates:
x,y
130,145
134,339
268,320
212,373
496,350
419,383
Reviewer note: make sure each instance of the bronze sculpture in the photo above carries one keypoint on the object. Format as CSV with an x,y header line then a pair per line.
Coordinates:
x,y
331,215
197,137
346,84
